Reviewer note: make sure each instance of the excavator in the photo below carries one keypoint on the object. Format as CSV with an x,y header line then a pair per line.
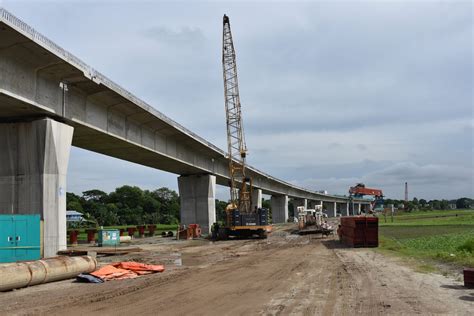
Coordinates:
x,y
360,190
242,219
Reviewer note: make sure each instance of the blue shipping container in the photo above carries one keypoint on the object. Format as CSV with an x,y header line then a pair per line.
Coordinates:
x,y
19,237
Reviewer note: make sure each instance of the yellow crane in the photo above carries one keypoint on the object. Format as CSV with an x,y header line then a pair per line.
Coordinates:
x,y
242,219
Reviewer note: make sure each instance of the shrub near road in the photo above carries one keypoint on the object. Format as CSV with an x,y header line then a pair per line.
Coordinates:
x,y
444,236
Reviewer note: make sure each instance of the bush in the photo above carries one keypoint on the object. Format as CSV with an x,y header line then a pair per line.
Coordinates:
x,y
467,246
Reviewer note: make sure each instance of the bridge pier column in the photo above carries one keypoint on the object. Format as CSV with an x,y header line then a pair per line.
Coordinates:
x,y
198,200
279,205
257,198
298,203
34,157
330,208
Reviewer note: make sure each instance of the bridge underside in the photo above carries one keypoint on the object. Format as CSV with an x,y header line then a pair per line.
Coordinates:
x,y
40,82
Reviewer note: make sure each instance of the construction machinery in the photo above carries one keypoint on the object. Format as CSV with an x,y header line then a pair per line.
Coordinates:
x,y
242,219
359,191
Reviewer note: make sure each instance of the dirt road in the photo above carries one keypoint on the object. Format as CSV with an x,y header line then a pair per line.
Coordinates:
x,y
285,274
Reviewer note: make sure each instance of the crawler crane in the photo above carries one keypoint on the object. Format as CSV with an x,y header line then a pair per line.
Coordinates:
x,y
242,220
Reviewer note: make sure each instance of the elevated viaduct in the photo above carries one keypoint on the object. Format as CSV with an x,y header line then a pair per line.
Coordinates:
x,y
50,100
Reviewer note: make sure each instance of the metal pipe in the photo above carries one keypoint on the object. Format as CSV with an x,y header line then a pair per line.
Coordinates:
x,y
23,274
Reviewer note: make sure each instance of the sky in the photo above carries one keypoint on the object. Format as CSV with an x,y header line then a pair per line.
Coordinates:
x,y
333,93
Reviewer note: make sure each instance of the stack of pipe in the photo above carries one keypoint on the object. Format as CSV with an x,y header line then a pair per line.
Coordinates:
x,y
22,274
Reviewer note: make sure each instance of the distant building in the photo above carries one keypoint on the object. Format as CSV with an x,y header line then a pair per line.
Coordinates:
x,y
74,216
452,206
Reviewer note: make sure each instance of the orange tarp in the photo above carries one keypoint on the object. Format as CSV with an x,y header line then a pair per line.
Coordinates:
x,y
126,270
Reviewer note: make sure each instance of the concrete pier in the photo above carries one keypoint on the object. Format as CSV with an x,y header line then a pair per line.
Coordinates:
x,y
279,204
299,202
257,198
34,159
331,208
198,200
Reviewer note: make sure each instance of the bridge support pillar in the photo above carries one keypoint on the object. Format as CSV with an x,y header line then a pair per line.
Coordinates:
x,y
198,200
331,208
299,202
34,157
257,198
279,205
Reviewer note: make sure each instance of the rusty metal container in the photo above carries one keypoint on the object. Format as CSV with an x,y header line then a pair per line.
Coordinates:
x,y
360,231
469,277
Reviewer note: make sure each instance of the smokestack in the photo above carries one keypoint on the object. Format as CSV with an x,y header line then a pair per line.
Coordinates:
x,y
406,192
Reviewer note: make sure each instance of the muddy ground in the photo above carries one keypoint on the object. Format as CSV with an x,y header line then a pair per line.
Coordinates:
x,y
284,274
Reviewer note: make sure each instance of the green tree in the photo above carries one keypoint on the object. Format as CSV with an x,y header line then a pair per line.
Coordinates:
x,y
435,204
220,211
444,204
464,203
170,205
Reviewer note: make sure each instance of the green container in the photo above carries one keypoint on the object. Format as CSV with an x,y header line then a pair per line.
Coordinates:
x,y
109,237
19,237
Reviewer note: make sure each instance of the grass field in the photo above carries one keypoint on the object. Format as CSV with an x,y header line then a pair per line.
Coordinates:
x,y
441,236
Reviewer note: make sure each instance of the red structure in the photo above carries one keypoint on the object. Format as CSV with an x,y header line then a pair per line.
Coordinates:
x,y
131,231
196,230
360,231
141,231
469,278
151,230
73,237
91,235
359,191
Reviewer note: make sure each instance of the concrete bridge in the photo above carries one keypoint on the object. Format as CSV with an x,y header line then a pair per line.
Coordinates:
x,y
50,100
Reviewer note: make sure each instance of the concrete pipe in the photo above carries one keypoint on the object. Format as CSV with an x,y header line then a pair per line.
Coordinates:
x,y
17,275
125,239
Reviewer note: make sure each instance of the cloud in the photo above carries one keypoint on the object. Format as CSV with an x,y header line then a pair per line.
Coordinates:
x,y
443,180
333,93
185,36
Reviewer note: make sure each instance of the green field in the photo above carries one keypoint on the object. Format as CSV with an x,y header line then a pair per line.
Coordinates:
x,y
440,236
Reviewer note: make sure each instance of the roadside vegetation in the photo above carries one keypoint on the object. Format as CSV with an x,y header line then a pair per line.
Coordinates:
x,y
440,236
130,205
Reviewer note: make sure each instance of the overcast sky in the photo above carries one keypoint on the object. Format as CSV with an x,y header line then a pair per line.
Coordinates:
x,y
333,93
